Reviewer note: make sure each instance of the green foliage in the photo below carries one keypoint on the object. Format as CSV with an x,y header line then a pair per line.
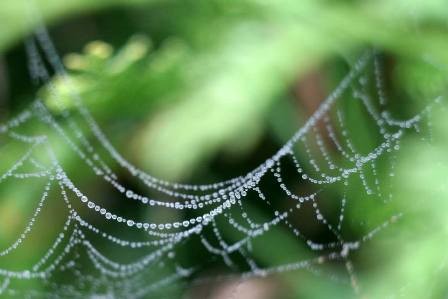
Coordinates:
x,y
215,79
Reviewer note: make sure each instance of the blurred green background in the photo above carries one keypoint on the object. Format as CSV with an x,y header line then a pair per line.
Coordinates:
x,y
205,90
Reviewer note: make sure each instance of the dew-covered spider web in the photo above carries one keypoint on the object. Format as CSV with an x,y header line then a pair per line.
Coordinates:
x,y
102,252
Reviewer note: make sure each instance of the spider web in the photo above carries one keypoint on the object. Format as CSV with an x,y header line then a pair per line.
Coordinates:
x,y
322,156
